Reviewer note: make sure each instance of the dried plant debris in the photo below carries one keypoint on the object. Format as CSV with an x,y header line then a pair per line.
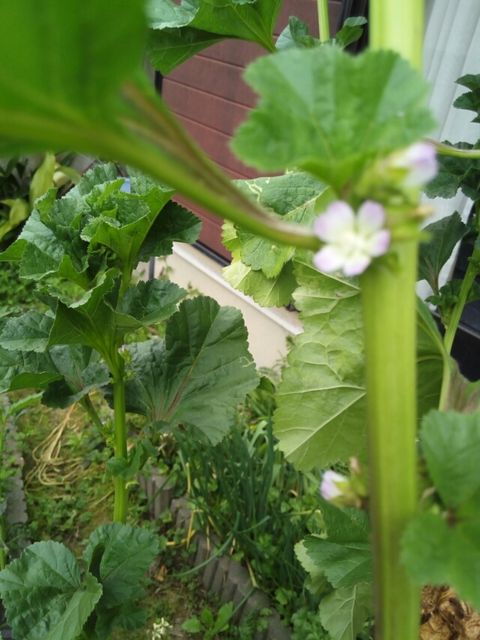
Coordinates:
x,y
445,617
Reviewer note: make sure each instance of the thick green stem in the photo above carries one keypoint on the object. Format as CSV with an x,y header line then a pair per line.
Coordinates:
x,y
323,20
390,341
120,441
389,308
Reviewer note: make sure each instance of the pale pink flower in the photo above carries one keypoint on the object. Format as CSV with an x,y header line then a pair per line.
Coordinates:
x,y
331,485
419,161
352,240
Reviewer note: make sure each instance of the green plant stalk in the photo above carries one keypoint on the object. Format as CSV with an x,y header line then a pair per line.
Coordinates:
x,y
323,20
447,150
120,441
467,284
389,307
3,535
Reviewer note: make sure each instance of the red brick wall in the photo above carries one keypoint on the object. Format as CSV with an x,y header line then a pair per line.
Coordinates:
x,y
209,96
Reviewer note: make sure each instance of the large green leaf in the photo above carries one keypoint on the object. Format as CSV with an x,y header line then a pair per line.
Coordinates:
x,y
456,173
344,611
199,375
120,573
178,31
28,332
25,370
337,112
444,235
438,552
451,445
44,595
72,62
321,398
81,371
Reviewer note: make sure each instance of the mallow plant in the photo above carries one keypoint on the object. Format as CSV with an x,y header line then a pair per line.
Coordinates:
x,y
347,132
81,251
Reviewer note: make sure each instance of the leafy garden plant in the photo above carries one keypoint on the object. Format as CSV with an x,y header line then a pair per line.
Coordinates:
x,y
370,365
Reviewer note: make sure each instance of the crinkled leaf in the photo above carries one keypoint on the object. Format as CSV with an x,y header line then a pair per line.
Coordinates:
x,y
89,321
321,397
337,112
175,224
25,370
295,35
269,292
343,612
82,371
28,332
168,48
44,594
345,525
120,573
444,235
454,174
451,446
292,196
119,556
199,375
148,302
437,553
45,93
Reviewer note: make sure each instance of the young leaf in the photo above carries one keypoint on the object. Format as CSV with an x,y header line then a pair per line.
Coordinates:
x,y
437,553
337,112
199,375
192,625
148,302
344,611
295,35
351,31
119,556
451,445
44,595
444,235
320,415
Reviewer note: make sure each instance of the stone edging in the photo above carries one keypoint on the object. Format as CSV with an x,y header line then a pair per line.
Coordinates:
x,y
222,576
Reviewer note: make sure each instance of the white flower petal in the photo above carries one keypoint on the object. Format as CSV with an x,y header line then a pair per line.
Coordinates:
x,y
378,243
337,219
356,263
329,259
329,488
370,218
